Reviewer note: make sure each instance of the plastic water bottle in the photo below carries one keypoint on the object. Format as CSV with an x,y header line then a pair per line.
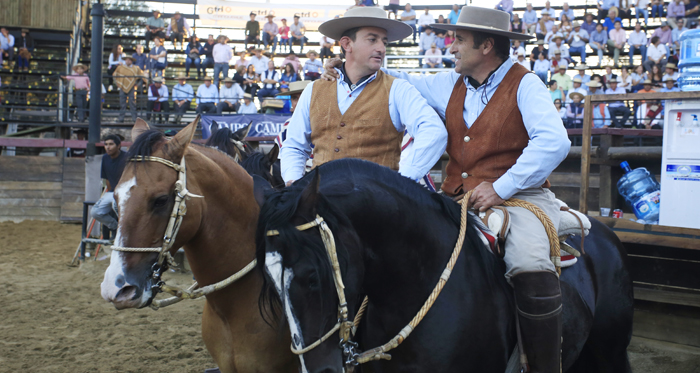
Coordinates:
x,y
689,62
641,191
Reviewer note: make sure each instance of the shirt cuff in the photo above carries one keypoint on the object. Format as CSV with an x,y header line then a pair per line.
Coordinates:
x,y
505,187
411,173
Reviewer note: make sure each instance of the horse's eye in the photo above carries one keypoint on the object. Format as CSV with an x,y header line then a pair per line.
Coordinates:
x,y
313,281
160,202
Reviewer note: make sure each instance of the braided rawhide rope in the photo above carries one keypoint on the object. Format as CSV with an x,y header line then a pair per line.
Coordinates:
x,y
380,352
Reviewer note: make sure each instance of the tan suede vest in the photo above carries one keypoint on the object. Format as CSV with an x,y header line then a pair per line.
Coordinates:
x,y
492,145
365,131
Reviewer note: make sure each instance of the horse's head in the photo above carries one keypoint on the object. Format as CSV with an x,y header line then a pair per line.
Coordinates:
x,y
231,143
298,274
145,196
266,166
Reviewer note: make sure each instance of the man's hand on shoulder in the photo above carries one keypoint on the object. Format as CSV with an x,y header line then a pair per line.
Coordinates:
x,y
329,72
484,197
290,182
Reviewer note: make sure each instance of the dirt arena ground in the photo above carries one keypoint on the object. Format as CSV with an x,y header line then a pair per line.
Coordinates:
x,y
53,319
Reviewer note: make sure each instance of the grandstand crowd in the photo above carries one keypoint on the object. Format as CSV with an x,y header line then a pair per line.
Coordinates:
x,y
640,58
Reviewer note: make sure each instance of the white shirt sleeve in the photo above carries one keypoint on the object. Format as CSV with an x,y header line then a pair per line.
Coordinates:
x,y
296,149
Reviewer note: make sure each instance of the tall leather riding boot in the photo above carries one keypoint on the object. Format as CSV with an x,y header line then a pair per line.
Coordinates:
x,y
538,298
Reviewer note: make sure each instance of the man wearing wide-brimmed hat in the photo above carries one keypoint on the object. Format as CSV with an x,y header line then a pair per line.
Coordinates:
x,y
270,31
207,97
178,29
505,139
229,96
248,106
183,94
365,112
295,90
128,78
158,100
80,89
671,71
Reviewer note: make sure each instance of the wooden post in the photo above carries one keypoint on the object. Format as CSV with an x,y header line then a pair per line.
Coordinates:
x,y
585,155
609,175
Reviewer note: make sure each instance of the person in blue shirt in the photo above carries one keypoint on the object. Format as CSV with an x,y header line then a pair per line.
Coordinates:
x,y
454,14
609,22
207,97
182,95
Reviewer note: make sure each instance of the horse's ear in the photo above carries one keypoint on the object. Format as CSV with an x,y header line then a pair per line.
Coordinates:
x,y
179,142
214,127
242,133
273,153
310,197
260,186
140,126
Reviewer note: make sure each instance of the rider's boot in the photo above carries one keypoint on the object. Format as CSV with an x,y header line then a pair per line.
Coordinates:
x,y
538,298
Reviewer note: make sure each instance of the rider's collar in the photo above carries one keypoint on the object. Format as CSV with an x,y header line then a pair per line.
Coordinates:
x,y
474,83
347,81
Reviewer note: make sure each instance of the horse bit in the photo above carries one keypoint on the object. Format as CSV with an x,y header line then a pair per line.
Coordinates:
x,y
173,227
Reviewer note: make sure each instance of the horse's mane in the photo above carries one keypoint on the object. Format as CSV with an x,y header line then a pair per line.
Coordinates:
x,y
145,144
258,163
221,139
337,179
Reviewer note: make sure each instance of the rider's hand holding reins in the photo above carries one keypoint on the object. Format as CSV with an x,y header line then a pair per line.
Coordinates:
x,y
484,197
329,72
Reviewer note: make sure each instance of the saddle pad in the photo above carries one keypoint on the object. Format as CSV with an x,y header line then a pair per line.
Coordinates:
x,y
569,225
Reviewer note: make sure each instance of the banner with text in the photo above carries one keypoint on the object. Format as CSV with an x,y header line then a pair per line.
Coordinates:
x,y
237,13
264,125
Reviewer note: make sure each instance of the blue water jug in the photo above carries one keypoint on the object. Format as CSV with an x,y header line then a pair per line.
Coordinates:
x,y
641,191
689,62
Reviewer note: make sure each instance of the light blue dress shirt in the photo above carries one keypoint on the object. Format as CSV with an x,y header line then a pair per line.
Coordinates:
x,y
607,4
205,95
549,143
530,17
408,111
183,92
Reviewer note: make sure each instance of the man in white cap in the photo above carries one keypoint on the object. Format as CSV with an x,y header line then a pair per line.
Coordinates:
x,y
577,87
505,139
522,61
182,94
365,112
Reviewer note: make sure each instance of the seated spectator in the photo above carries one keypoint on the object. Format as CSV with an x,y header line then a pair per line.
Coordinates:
x,y
676,34
7,46
563,81
671,71
505,6
574,111
577,87
80,90
259,61
158,59
294,60
625,79
448,59
241,61
669,86
208,52
312,66
625,10
270,79
616,42
640,8
556,62
674,11
565,28
520,59
601,114
608,75
298,31
158,100
269,32
440,42
285,41
229,97
529,19
656,54
444,21
638,76
326,44
238,76
394,8
115,60
562,48
426,40
252,32
516,25
692,11
665,35
605,6
454,14
207,97
656,76
544,25
617,107
155,27
128,78
425,20
609,22
433,62
183,94
248,106
534,55
638,42
25,45
251,80
516,48
554,91
561,109
192,53
140,58
450,38
548,9
598,41
646,110
289,75
577,40
222,54
657,9
566,11
178,30
541,67
588,24
585,78
408,16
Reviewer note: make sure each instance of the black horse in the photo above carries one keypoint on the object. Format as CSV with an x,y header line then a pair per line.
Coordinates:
x,y
255,162
394,239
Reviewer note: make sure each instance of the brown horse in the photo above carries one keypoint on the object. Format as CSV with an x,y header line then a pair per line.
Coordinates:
x,y
218,235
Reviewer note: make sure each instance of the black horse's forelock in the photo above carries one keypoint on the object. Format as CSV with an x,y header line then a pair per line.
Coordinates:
x,y
259,164
221,139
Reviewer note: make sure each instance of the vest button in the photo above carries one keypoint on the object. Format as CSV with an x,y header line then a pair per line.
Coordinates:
x,y
336,150
464,175
467,138
339,137
342,124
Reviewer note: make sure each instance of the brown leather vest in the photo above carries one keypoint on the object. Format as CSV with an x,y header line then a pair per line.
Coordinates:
x,y
492,145
365,131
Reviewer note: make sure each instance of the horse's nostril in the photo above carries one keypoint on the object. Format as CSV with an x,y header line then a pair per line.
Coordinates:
x,y
127,293
120,281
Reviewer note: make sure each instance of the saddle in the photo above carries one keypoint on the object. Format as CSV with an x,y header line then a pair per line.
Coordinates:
x,y
494,224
